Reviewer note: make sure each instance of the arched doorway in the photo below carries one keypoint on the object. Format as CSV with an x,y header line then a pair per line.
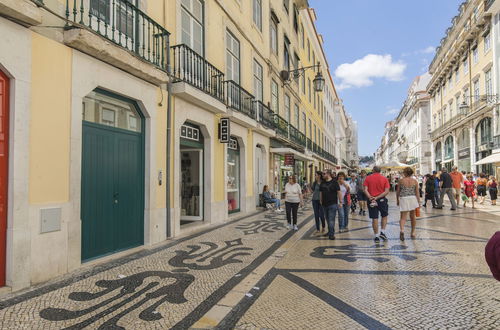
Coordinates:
x,y
4,169
484,145
448,153
438,156
112,209
192,173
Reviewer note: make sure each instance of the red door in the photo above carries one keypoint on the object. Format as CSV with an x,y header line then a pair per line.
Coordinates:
x,y
4,171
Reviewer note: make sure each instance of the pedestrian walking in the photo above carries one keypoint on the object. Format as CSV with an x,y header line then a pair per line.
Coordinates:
x,y
457,181
353,190
481,187
361,192
493,189
447,188
319,215
429,190
269,198
469,186
376,189
437,189
331,200
345,190
492,255
293,198
408,200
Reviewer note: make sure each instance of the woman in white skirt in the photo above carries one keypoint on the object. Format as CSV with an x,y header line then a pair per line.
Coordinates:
x,y
408,199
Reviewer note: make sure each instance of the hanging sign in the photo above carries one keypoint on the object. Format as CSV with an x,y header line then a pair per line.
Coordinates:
x,y
224,130
289,159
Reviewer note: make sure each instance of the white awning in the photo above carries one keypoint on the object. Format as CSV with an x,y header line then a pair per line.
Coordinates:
x,y
495,158
297,155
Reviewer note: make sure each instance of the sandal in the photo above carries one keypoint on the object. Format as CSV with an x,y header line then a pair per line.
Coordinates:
x,y
402,236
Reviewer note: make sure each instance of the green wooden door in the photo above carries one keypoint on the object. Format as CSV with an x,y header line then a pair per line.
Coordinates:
x,y
112,209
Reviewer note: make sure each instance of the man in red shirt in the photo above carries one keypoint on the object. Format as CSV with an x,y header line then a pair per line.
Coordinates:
x,y
376,188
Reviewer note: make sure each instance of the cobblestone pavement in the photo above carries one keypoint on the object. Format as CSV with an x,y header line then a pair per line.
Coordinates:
x,y
439,280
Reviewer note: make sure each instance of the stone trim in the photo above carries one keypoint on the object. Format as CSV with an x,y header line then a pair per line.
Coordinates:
x,y
22,11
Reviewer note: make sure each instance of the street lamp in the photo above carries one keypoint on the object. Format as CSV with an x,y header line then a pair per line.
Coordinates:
x,y
318,82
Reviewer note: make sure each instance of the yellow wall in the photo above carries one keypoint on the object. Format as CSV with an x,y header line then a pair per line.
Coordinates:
x,y
250,163
161,149
50,121
219,162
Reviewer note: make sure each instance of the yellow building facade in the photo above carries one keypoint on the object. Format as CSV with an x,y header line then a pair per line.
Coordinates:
x,y
463,97
117,118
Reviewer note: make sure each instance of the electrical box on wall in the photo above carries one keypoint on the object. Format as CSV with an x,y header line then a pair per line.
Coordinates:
x,y
50,220
224,130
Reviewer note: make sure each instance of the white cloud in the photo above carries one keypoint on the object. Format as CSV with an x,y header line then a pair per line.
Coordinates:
x,y
362,72
428,50
391,112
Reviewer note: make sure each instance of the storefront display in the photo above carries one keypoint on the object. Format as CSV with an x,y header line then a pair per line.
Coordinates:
x,y
233,176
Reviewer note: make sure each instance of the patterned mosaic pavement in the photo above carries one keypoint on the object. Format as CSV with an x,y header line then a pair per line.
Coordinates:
x,y
253,273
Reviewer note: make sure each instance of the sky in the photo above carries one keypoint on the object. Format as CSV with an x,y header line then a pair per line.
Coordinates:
x,y
375,49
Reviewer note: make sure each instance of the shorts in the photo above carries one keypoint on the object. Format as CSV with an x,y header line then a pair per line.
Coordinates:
x,y
361,196
481,190
456,192
382,208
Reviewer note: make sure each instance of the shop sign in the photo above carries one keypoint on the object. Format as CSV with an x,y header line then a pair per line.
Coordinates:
x,y
464,153
289,159
224,130
483,147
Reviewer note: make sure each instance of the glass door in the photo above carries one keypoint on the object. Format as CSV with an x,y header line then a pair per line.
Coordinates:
x,y
192,184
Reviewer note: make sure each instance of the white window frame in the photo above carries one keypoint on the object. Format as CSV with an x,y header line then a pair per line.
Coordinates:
x,y
257,13
193,20
232,58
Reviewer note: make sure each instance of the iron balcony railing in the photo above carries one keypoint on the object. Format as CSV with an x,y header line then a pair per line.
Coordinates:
x,y
496,142
124,24
296,136
265,116
309,144
281,126
345,163
239,99
478,102
192,68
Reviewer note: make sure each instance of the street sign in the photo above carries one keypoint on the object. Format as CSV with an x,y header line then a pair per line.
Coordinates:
x,y
289,159
224,130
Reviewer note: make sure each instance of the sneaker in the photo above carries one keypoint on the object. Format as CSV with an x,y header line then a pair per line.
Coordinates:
x,y
382,236
364,212
288,226
326,235
376,239
295,228
331,237
453,209
279,210
360,212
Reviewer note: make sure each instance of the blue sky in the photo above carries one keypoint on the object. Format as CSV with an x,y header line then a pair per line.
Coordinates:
x,y
375,49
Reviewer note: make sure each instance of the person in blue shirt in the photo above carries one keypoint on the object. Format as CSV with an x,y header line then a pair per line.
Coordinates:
x,y
437,190
270,199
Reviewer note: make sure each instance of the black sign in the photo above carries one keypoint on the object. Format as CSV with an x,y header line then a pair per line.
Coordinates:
x,y
464,153
224,130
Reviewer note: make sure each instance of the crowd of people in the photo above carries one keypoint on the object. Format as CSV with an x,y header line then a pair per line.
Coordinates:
x,y
336,195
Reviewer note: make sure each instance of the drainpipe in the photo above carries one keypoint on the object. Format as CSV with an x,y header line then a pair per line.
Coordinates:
x,y
169,130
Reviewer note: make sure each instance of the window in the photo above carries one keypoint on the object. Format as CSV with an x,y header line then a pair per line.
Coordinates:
x,y
304,122
232,58
302,37
310,129
297,120
315,134
457,104
257,80
100,9
308,51
466,65
274,97
124,19
309,89
466,96
192,25
287,108
257,13
304,84
487,83
444,115
457,75
475,55
286,54
487,42
286,4
314,60
295,19
450,82
314,97
274,34
476,90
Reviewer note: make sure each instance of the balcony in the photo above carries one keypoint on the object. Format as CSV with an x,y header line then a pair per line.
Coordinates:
x,y
413,161
265,116
487,4
192,68
281,126
296,136
124,25
479,102
496,142
239,99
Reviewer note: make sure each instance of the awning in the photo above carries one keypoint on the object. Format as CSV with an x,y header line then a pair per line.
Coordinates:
x,y
495,158
297,155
